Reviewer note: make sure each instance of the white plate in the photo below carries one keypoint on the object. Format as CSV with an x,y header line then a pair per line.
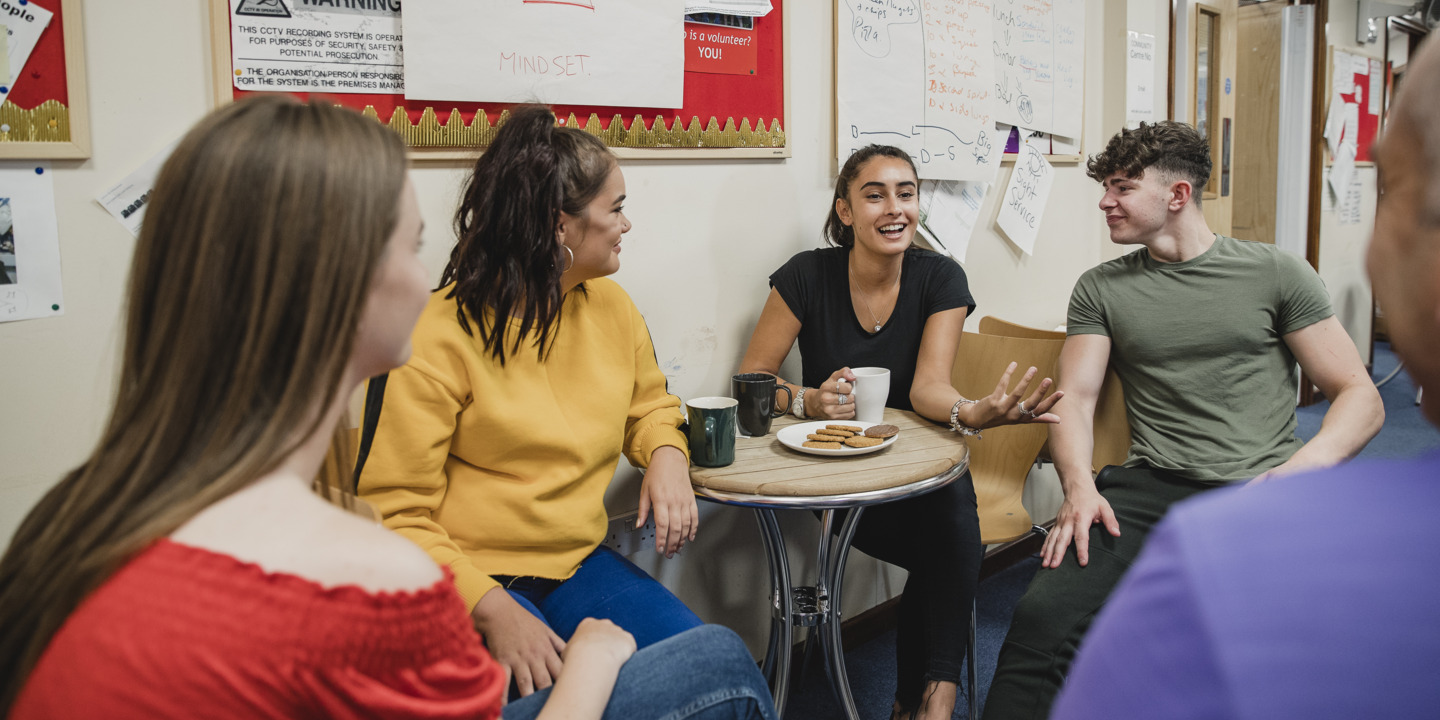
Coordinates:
x,y
794,437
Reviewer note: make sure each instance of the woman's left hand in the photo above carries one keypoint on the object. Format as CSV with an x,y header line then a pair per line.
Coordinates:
x,y
1006,407
666,492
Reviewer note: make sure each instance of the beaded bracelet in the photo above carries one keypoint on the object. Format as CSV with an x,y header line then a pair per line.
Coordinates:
x,y
958,426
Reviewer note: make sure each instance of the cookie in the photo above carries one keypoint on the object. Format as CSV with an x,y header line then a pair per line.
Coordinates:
x,y
821,445
860,441
847,428
882,431
835,433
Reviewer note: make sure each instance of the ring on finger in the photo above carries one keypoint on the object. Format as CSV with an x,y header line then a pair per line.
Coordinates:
x,y
842,399
1025,411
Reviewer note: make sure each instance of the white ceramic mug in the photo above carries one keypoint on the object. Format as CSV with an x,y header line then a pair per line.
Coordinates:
x,y
872,390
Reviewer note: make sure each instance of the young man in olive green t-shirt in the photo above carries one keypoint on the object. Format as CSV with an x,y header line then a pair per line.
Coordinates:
x,y
1204,332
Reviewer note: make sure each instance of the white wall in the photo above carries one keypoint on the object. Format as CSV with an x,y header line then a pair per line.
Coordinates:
x,y
706,236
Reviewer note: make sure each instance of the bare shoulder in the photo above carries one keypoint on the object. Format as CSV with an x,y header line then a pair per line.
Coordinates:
x,y
291,531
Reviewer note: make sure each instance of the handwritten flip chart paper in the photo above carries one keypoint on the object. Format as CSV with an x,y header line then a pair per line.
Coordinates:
x,y
317,46
917,74
1024,201
949,211
23,25
29,244
126,200
1139,79
1039,64
580,52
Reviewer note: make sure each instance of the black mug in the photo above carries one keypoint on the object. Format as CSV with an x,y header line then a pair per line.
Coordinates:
x,y
756,393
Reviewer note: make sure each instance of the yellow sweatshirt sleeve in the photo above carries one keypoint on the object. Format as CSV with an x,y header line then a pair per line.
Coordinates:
x,y
655,415
404,475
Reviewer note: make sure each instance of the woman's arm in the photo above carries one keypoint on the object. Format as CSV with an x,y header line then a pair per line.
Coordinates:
x,y
774,335
592,663
932,395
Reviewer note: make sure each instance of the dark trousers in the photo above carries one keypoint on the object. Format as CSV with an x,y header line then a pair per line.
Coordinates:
x,y
936,537
1061,603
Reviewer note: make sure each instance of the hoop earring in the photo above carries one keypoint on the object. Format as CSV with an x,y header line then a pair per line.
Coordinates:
x,y
572,258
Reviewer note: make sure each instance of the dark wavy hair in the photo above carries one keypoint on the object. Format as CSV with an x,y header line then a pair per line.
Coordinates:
x,y
836,231
508,261
1173,148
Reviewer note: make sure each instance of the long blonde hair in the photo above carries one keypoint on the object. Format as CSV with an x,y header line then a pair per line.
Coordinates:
x,y
261,238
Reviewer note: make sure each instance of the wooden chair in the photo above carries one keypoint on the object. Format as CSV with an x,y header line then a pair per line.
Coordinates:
x,y
1112,424
1000,461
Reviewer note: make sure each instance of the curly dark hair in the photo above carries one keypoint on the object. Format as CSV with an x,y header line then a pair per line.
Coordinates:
x,y
1173,148
836,231
507,260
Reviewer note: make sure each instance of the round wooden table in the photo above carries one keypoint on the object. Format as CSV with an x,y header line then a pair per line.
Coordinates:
x,y
767,475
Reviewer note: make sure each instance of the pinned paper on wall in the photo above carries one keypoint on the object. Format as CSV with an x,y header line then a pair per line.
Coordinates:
x,y
1348,210
918,74
1139,79
1023,204
314,47
29,243
1334,123
22,31
568,53
1342,169
1039,53
126,200
949,211
1351,133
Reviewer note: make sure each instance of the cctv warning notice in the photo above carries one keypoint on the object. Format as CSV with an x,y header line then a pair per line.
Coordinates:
x,y
333,46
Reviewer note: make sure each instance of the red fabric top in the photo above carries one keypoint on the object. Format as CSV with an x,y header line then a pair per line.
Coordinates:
x,y
182,632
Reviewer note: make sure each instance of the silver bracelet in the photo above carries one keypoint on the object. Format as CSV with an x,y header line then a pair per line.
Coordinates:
x,y
797,408
958,426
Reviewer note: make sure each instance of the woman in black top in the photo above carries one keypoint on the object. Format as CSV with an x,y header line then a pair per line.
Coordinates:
x,y
876,300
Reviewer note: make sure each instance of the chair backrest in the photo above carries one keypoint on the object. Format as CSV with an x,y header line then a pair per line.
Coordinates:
x,y
991,325
1001,460
1112,424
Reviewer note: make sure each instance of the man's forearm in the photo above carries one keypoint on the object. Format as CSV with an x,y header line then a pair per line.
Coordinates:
x,y
1355,416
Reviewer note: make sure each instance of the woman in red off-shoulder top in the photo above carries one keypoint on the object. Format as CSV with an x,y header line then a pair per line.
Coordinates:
x,y
188,568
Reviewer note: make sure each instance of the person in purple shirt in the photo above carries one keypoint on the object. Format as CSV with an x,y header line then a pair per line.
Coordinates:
x,y
1314,595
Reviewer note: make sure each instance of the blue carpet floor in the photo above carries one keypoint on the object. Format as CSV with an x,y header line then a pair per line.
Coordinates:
x,y
872,665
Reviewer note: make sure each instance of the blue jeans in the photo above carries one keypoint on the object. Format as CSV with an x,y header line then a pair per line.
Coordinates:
x,y
605,586
705,673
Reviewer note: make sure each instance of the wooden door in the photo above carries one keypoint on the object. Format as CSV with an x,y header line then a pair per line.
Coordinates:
x,y
1257,121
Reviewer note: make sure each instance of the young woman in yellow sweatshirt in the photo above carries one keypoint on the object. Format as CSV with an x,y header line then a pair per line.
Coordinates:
x,y
531,373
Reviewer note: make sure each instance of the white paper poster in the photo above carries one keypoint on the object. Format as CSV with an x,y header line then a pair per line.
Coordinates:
x,y
916,74
581,52
1342,169
1377,81
1334,123
1023,204
949,211
317,46
1139,79
126,199
1039,50
1348,211
29,243
23,25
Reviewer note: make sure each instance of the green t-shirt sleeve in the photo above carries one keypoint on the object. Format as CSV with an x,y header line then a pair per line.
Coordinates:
x,y
1086,316
1304,300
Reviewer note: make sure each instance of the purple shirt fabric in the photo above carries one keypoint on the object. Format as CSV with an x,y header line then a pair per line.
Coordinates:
x,y
1310,596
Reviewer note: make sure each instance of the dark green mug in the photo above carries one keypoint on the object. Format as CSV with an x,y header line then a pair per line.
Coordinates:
x,y
712,430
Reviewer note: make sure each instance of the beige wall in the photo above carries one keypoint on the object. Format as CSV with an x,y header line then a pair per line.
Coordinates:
x,y
706,236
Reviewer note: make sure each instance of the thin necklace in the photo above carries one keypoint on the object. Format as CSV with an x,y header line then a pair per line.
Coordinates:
x,y
863,299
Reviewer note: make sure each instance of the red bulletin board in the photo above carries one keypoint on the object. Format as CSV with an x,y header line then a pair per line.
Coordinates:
x,y
1341,64
724,115
45,115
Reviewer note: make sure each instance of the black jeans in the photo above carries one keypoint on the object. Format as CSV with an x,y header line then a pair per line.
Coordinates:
x,y
1057,609
936,537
